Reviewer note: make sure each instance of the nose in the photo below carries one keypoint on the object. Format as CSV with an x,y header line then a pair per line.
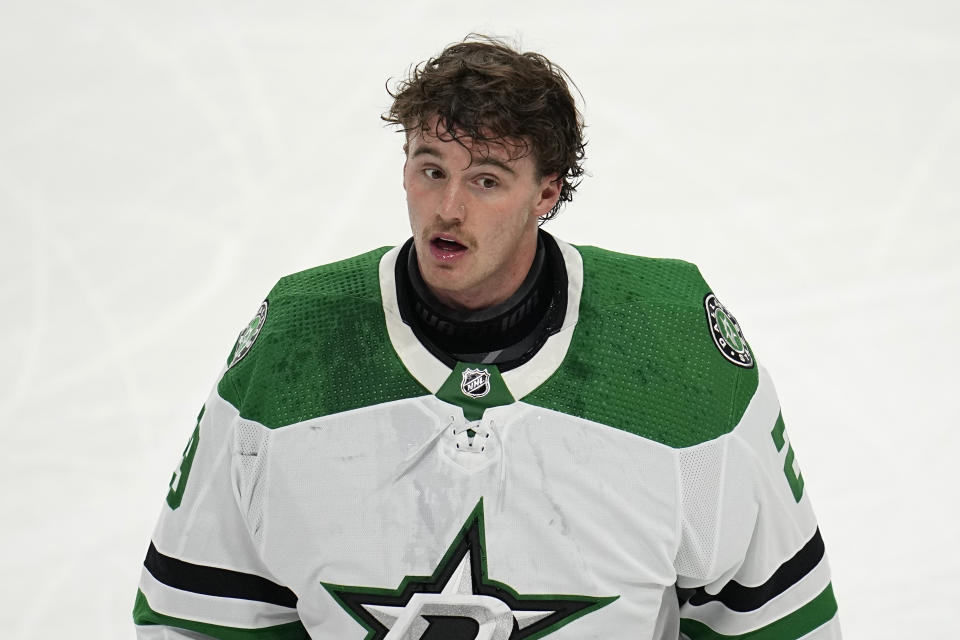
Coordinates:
x,y
452,207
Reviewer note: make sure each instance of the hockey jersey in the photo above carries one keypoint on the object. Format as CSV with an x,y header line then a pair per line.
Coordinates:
x,y
633,479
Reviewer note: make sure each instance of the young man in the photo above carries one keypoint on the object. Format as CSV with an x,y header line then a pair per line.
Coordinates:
x,y
487,433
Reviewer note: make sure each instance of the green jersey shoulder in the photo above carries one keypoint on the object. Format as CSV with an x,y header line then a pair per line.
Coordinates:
x,y
644,356
322,348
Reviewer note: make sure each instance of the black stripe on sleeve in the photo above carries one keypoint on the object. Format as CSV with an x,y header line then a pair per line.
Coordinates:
x,y
213,581
737,597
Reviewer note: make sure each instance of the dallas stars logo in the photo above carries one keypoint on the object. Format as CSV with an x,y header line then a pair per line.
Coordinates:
x,y
249,335
459,601
726,333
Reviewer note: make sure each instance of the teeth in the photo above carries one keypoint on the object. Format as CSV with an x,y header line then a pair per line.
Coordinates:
x,y
448,245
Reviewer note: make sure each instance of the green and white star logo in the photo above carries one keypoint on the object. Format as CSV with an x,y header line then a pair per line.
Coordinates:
x,y
459,601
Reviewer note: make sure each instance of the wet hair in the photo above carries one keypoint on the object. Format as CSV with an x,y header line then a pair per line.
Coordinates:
x,y
485,90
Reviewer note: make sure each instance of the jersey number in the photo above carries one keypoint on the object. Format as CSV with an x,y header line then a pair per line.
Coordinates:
x,y
794,477
179,480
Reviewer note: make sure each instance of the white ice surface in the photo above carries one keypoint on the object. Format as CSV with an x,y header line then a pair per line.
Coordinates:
x,y
162,163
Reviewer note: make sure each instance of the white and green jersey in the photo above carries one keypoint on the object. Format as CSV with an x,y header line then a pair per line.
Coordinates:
x,y
633,479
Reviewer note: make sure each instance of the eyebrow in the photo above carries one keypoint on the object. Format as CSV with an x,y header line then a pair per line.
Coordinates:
x,y
426,149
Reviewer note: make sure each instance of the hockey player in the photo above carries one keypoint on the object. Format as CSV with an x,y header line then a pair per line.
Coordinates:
x,y
487,433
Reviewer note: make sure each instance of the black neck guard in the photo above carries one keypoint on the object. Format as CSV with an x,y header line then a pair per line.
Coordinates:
x,y
507,334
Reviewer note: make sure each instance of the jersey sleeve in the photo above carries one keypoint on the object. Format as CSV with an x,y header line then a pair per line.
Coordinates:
x,y
203,576
751,562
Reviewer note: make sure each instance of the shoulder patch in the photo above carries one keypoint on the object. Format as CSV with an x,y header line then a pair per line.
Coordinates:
x,y
249,335
726,333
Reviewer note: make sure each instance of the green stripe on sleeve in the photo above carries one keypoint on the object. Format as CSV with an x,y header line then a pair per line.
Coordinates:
x,y
815,613
144,615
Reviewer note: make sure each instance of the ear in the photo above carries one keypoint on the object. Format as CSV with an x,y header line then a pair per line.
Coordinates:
x,y
406,158
548,192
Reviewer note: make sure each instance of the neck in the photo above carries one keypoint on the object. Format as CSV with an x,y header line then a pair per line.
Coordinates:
x,y
497,324
506,334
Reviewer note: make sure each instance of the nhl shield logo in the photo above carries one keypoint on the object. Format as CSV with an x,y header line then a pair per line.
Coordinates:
x,y
726,333
476,383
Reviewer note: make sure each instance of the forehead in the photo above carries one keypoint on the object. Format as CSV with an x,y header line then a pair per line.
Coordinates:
x,y
434,139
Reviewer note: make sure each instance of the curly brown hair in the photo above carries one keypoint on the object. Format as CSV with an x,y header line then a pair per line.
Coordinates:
x,y
484,90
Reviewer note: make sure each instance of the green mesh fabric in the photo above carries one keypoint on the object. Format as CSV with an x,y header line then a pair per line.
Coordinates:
x,y
642,358
323,349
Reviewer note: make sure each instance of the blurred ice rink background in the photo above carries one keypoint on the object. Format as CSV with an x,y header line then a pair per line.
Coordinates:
x,y
162,164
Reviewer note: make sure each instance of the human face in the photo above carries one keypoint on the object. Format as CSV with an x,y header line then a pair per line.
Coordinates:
x,y
473,212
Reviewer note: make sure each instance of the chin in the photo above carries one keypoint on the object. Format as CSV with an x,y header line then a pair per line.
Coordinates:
x,y
445,283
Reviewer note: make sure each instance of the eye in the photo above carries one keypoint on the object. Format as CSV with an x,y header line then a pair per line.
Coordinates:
x,y
486,182
433,173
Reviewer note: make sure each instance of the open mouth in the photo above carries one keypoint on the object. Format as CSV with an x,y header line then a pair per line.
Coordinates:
x,y
445,248
447,245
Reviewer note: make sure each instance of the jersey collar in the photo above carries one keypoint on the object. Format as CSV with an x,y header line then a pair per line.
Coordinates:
x,y
432,373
